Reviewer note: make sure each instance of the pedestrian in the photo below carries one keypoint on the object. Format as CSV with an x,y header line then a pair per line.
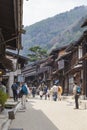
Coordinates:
x,y
28,92
33,91
14,88
55,91
45,91
76,95
41,93
24,93
51,93
59,92
48,93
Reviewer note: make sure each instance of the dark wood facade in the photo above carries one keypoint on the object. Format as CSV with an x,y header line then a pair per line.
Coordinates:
x,y
73,68
36,73
10,29
84,60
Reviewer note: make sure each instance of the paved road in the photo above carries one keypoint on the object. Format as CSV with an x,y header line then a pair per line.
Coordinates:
x,y
50,115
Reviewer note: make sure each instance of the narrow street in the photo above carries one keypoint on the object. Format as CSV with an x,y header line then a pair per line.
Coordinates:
x,y
50,115
43,50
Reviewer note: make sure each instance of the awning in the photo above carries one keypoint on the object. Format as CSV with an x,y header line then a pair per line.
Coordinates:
x,y
63,56
21,59
74,69
42,70
30,74
6,63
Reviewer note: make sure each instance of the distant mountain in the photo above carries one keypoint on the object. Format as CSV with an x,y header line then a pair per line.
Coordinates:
x,y
57,31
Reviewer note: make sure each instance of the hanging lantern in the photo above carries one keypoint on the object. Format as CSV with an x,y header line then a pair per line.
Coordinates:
x,y
1,72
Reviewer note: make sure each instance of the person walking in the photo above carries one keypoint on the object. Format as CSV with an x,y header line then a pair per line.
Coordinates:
x,y
76,92
48,93
24,93
45,91
55,91
51,93
41,93
59,92
33,91
14,88
27,91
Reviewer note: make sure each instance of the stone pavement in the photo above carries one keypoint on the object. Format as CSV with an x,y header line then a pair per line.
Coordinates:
x,y
47,114
50,115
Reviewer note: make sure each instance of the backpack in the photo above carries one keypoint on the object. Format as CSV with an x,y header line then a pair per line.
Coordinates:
x,y
14,86
24,90
59,89
78,90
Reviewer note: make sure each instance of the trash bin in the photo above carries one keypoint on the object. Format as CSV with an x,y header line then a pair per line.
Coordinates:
x,y
11,115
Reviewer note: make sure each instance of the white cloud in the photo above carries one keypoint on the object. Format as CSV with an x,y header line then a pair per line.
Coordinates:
x,y
36,10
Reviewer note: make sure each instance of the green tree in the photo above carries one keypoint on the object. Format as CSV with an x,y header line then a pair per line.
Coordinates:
x,y
37,53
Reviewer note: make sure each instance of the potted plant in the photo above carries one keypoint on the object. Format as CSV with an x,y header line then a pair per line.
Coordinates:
x,y
3,99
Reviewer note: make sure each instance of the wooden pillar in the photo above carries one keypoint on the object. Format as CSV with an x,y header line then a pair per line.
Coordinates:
x,y
85,68
85,78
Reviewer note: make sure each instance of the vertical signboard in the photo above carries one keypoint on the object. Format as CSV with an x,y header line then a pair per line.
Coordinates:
x,y
60,64
21,78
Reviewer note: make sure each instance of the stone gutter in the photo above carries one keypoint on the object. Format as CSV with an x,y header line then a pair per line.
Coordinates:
x,y
4,116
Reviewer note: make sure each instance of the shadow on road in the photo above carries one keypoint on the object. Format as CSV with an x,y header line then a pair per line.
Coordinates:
x,y
32,119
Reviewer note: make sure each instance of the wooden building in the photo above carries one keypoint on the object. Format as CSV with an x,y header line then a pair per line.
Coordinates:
x,y
36,72
11,28
73,67
84,58
58,65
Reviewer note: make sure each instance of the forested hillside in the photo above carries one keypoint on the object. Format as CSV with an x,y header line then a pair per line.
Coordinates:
x,y
56,31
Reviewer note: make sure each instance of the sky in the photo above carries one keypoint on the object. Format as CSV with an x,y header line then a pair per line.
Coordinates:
x,y
37,10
